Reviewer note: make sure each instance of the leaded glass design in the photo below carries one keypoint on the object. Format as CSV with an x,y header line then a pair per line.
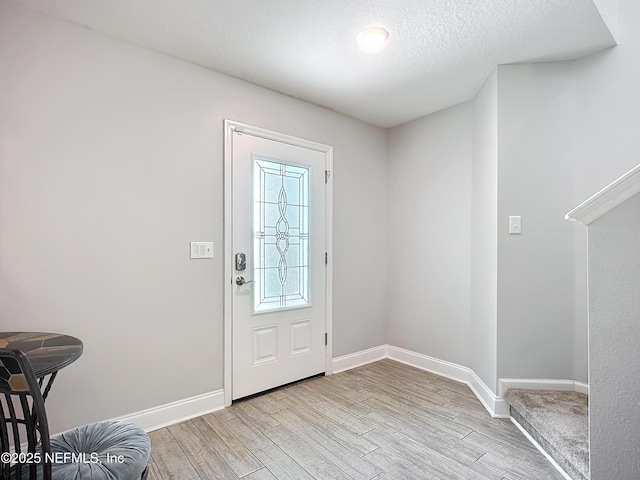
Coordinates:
x,y
281,235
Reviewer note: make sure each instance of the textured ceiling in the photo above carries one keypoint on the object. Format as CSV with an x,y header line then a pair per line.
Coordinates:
x,y
439,52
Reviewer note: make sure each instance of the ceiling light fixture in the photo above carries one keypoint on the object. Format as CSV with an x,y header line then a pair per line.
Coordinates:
x,y
372,39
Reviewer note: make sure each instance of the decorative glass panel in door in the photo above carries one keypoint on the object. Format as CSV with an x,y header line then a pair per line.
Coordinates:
x,y
281,235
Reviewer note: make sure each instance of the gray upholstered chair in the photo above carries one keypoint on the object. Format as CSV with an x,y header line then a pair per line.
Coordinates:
x,y
105,450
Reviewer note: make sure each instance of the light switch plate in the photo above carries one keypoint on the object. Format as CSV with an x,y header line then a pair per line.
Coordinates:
x,y
515,225
201,249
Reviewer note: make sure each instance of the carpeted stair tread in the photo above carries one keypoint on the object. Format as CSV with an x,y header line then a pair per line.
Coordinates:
x,y
558,421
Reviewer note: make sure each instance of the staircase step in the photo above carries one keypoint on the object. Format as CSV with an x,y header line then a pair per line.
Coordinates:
x,y
558,421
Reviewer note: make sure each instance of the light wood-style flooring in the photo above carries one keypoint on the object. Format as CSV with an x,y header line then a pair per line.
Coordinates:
x,y
382,421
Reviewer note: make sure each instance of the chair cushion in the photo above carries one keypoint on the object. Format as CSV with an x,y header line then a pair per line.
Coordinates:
x,y
112,450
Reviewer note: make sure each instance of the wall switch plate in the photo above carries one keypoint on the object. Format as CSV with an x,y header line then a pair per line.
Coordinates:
x,y
515,225
201,249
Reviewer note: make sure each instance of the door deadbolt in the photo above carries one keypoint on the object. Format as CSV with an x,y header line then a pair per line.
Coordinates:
x,y
241,262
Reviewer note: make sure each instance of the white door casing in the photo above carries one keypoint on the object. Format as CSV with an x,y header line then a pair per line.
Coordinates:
x,y
277,202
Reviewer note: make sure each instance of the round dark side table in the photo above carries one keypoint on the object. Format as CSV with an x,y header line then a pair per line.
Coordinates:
x,y
47,352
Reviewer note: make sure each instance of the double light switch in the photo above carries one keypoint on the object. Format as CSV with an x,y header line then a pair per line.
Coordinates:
x,y
201,249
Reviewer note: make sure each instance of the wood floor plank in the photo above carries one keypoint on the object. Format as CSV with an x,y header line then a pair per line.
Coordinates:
x,y
516,471
357,425
387,476
442,442
499,429
420,387
154,474
381,421
197,449
467,406
398,458
336,385
304,454
257,417
281,393
270,403
502,447
244,431
409,462
262,474
459,430
170,460
415,374
332,450
357,409
395,467
323,390
511,461
360,446
227,445
411,374
367,381
433,460
402,399
281,465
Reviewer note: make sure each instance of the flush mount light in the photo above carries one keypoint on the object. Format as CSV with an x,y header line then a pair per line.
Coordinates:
x,y
372,39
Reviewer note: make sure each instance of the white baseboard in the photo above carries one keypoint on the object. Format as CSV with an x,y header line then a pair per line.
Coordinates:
x,y
429,364
176,412
353,360
181,410
581,387
496,406
505,384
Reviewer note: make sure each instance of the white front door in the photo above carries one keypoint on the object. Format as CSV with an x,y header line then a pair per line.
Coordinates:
x,y
278,266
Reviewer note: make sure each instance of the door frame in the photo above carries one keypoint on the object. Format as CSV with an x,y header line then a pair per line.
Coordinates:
x,y
230,126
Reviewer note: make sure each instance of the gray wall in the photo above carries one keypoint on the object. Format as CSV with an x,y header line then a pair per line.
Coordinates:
x,y
556,133
546,136
443,194
484,229
607,103
429,234
110,163
504,305
566,130
614,330
536,110
609,12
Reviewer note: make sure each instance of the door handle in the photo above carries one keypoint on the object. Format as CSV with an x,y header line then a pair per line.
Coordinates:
x,y
242,281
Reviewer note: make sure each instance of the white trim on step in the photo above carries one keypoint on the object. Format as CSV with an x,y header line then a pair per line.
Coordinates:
x,y
537,445
505,384
175,412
